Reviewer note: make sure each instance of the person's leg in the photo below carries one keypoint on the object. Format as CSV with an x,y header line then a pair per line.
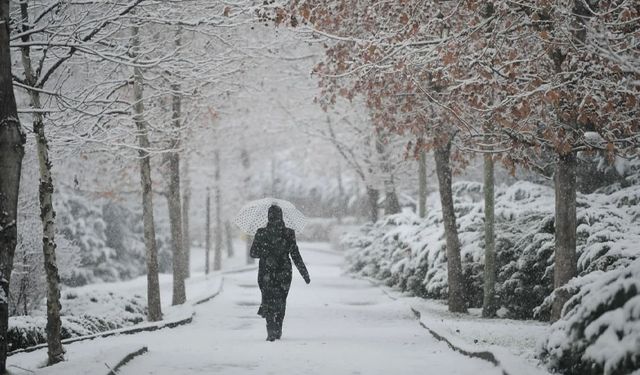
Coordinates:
x,y
261,309
272,327
279,321
284,292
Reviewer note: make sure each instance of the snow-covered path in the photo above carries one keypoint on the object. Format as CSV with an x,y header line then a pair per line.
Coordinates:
x,y
335,325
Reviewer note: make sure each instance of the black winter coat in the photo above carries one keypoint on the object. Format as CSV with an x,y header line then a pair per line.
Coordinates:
x,y
275,246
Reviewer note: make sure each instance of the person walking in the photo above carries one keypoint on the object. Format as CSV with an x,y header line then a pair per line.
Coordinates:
x,y
275,245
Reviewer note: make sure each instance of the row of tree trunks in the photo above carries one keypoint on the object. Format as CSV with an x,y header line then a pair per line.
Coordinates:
x,y
151,249
11,152
565,261
47,212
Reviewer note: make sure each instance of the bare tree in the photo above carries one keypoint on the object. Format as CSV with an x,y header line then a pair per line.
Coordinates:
x,y
151,248
47,213
11,152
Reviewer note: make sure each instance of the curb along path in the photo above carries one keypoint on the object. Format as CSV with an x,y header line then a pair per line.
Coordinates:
x,y
184,317
509,364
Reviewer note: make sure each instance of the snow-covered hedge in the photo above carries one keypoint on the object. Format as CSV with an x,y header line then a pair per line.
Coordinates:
x,y
82,314
409,252
600,331
322,229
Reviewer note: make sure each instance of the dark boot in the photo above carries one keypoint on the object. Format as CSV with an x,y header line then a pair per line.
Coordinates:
x,y
272,328
279,321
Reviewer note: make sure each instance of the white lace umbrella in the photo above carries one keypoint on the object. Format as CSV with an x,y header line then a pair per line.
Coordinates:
x,y
254,215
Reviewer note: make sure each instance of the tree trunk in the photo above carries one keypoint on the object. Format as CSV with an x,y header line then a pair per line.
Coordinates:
x,y
175,203
217,256
175,221
186,200
246,164
207,237
454,264
565,266
391,202
47,213
24,285
373,195
422,184
488,304
151,249
248,242
229,237
11,153
342,204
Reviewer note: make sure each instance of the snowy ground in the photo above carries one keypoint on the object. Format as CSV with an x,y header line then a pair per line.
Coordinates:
x,y
335,325
513,342
197,285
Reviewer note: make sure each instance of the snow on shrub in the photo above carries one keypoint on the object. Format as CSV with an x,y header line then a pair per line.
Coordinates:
x,y
600,330
84,313
109,237
406,251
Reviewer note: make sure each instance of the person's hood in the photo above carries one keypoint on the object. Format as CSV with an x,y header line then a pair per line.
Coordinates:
x,y
275,215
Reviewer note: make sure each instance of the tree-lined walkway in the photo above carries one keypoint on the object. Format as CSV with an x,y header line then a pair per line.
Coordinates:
x,y
336,325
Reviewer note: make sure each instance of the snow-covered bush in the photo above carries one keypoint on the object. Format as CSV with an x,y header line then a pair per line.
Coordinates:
x,y
600,330
322,228
28,285
317,229
409,252
109,236
83,313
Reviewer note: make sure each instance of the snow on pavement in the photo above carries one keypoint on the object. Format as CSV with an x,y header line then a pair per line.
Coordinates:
x,y
335,325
